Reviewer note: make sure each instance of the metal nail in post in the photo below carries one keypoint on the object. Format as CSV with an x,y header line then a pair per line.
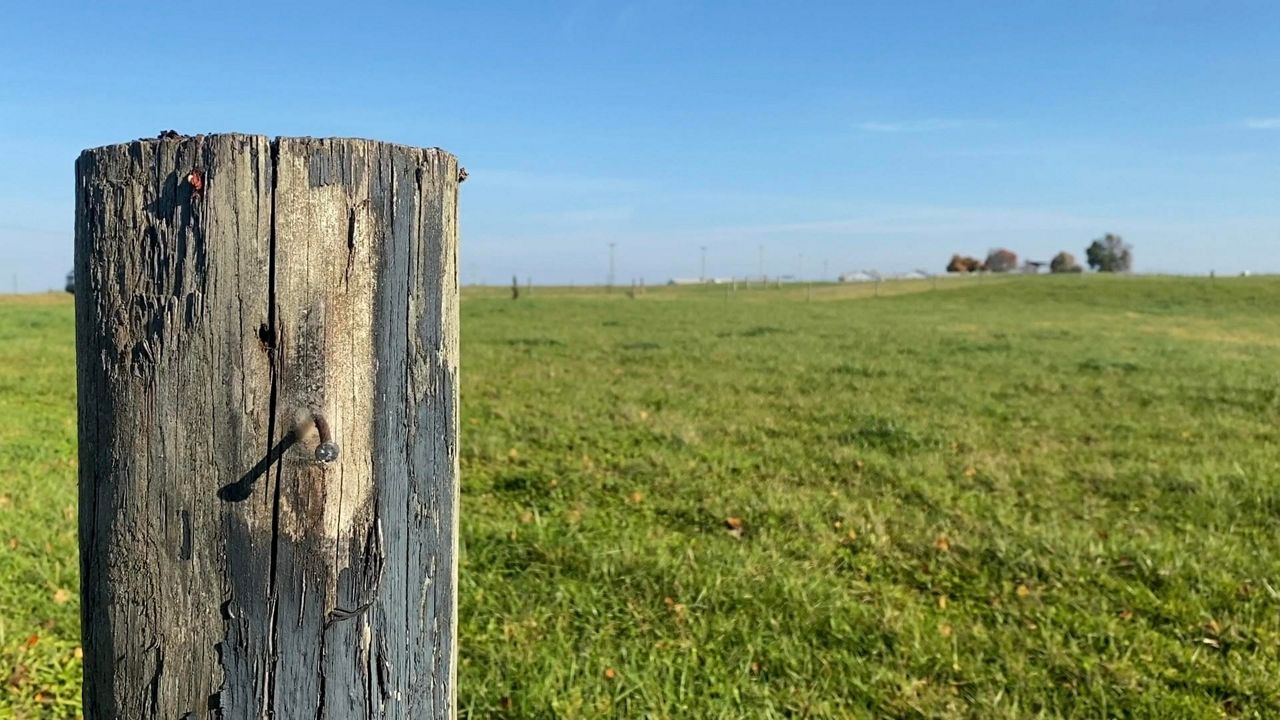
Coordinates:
x,y
327,450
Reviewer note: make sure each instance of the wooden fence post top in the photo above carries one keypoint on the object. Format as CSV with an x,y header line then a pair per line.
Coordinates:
x,y
170,136
267,357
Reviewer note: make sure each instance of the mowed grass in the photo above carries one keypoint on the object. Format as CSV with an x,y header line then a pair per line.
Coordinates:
x,y
1031,497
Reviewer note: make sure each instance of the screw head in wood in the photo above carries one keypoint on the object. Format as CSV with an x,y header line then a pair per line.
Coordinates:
x,y
327,452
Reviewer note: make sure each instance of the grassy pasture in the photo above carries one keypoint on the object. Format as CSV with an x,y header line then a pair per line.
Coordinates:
x,y
1020,497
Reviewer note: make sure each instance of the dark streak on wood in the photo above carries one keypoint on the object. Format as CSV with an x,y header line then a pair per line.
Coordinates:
x,y
351,246
218,559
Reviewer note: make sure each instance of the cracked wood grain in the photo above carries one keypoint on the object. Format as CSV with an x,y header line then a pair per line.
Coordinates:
x,y
225,572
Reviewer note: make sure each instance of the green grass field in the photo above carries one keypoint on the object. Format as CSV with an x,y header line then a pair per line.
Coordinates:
x,y
1033,497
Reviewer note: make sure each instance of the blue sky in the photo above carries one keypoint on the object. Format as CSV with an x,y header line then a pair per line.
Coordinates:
x,y
848,135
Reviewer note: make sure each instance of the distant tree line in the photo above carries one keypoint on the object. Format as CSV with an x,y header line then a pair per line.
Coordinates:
x,y
998,260
1109,253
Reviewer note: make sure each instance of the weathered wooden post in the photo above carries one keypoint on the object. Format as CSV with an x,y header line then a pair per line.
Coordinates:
x,y
267,350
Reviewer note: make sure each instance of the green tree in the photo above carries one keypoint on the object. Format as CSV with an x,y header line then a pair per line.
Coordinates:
x,y
1110,253
1001,260
1064,262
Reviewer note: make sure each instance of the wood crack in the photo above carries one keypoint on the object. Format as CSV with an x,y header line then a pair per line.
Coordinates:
x,y
273,591
321,681
351,246
155,681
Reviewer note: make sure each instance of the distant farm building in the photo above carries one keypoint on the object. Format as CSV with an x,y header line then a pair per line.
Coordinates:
x,y
859,276
700,281
874,275
913,275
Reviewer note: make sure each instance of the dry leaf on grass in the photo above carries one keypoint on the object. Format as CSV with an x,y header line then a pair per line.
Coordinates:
x,y
675,607
734,525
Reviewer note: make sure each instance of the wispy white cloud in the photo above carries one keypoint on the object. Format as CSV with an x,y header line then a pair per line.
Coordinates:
x,y
524,181
913,126
586,216
923,221
1266,123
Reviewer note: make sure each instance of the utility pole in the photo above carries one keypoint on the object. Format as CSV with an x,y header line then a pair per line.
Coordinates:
x,y
825,263
762,278
703,276
610,285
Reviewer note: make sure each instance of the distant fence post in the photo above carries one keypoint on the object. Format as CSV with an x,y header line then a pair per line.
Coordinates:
x,y
267,353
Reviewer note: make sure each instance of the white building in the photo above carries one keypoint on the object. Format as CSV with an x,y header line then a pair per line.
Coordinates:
x,y
860,276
